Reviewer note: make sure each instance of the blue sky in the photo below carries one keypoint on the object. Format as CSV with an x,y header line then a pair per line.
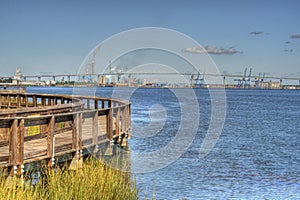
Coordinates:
x,y
55,36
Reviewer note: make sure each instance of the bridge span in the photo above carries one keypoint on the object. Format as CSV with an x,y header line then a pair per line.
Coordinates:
x,y
95,77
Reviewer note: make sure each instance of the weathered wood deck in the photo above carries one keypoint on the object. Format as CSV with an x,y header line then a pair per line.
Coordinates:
x,y
63,124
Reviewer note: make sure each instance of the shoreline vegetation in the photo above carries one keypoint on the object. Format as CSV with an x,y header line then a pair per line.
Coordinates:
x,y
267,86
94,180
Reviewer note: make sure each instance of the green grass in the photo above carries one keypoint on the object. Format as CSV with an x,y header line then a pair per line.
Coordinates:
x,y
33,130
93,181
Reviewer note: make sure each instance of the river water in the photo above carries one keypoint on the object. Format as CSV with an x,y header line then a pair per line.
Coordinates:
x,y
256,156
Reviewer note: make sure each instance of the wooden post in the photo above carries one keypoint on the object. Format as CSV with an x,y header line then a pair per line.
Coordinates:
x,y
75,131
96,104
95,131
50,141
43,101
129,115
95,128
13,145
88,104
77,142
123,120
109,124
26,101
123,140
79,132
8,101
102,102
117,122
22,100
18,101
109,131
34,102
0,101
20,147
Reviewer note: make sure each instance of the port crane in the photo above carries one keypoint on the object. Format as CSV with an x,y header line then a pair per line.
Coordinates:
x,y
197,82
259,80
249,77
242,81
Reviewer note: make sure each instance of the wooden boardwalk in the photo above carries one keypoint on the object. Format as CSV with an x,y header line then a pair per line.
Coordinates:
x,y
62,125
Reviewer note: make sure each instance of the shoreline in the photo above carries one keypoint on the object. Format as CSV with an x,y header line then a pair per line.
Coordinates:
x,y
8,87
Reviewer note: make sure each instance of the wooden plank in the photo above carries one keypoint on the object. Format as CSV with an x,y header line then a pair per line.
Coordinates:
x,y
22,100
5,123
79,145
95,128
20,143
123,120
126,118
34,101
13,143
88,114
18,101
35,121
49,101
129,115
109,125
75,131
26,101
117,122
43,101
4,158
36,154
50,140
8,101
63,118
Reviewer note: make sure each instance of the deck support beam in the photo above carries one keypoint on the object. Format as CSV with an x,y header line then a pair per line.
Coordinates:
x,y
77,142
16,146
95,132
109,132
51,142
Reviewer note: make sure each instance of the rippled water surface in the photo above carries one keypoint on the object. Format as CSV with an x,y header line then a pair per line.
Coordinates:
x,y
257,155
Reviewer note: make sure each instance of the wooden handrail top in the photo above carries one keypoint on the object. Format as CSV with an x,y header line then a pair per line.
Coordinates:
x,y
75,106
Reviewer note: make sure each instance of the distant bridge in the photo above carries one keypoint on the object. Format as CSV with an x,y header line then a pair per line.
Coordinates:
x,y
196,79
69,76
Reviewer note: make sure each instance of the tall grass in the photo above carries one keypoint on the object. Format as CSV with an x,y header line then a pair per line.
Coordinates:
x,y
93,181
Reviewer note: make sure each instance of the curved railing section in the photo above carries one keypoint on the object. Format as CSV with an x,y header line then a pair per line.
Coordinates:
x,y
36,127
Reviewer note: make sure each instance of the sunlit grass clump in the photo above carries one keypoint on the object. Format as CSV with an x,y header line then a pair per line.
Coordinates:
x,y
93,181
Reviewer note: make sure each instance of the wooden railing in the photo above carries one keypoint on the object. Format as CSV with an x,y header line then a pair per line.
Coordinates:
x,y
78,121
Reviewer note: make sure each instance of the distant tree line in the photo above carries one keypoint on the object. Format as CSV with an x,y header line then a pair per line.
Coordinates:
x,y
6,80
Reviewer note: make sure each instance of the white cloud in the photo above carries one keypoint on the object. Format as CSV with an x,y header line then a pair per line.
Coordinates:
x,y
211,49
